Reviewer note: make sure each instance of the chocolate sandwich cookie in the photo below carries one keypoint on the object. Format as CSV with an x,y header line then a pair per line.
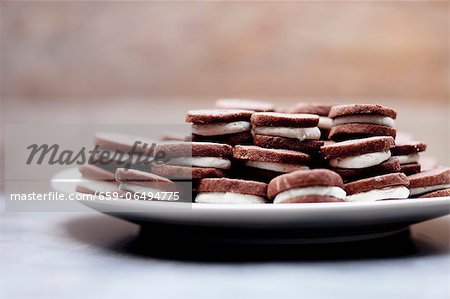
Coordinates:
x,y
311,147
95,180
122,142
389,166
185,173
231,191
322,110
273,162
355,158
408,155
222,126
439,193
429,181
195,160
388,186
117,150
361,120
244,104
307,186
143,183
288,131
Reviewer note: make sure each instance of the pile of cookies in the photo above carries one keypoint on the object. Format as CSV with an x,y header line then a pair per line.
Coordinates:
x,y
253,152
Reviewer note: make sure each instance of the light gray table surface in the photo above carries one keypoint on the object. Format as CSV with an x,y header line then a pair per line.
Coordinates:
x,y
89,255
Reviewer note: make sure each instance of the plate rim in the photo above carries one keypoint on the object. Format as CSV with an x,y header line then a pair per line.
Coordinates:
x,y
59,177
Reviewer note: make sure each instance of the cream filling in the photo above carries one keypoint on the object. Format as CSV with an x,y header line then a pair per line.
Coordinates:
x,y
406,159
307,191
228,197
361,161
365,119
278,167
99,186
397,192
427,189
214,162
289,132
325,122
220,129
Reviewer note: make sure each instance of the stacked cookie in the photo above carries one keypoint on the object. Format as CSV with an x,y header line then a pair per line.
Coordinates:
x,y
407,153
244,153
254,162
297,132
222,126
431,183
361,120
308,186
364,135
361,158
113,151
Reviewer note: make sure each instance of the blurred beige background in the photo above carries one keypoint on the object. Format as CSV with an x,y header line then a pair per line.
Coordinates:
x,y
144,62
265,49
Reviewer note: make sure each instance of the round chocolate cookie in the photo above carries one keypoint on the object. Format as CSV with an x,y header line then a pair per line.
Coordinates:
x,y
344,110
429,181
244,104
231,139
408,148
233,185
231,191
359,130
357,147
143,179
276,119
187,173
303,179
195,149
308,146
377,182
389,166
309,108
255,153
439,193
210,116
122,142
438,176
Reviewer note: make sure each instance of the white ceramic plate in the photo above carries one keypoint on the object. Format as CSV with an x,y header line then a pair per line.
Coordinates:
x,y
286,223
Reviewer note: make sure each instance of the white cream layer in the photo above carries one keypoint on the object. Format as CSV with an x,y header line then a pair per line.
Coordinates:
x,y
278,167
365,119
289,132
397,192
214,162
228,197
422,190
308,191
221,129
406,159
325,122
99,186
361,161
